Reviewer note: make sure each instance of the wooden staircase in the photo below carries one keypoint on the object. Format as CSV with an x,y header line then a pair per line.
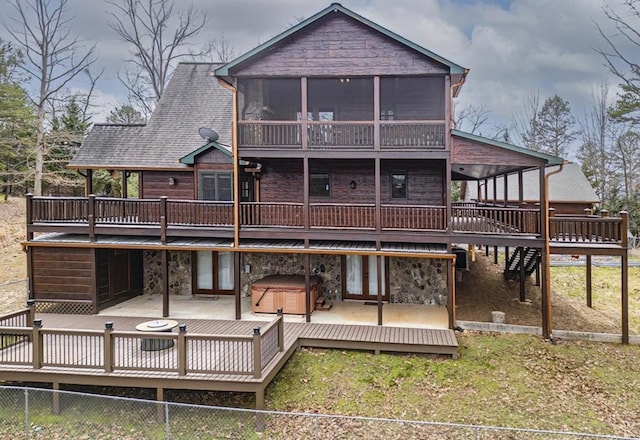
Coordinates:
x,y
529,257
323,303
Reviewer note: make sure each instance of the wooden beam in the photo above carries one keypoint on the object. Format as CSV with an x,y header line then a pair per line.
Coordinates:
x,y
305,193
378,189
589,284
165,282
236,284
380,287
523,274
624,269
307,287
376,112
547,323
88,187
451,297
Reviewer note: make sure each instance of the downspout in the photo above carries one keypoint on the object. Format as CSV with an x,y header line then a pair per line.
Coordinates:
x,y
547,332
234,155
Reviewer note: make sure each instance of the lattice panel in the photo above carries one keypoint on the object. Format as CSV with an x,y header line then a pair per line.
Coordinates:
x,y
64,308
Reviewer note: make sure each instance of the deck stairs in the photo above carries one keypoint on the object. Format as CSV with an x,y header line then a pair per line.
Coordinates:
x,y
323,303
531,261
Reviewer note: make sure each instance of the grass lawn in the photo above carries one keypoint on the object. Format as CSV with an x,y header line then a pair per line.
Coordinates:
x,y
504,380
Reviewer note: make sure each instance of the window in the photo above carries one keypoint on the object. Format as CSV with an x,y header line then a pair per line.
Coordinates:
x,y
319,185
215,186
398,186
214,272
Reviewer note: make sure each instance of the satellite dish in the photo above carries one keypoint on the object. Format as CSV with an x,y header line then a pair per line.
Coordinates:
x,y
208,134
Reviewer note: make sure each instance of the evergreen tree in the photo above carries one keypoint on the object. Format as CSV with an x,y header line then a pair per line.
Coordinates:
x,y
556,127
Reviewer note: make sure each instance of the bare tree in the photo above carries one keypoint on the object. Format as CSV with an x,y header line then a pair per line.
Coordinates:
x,y
471,118
621,57
595,151
158,36
221,49
53,57
526,125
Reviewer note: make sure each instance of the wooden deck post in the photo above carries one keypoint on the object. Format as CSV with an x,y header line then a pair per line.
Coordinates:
x,y
163,219
380,287
624,269
257,353
29,203
589,285
182,349
165,282
451,297
523,274
236,285
108,347
31,305
307,287
36,344
280,330
91,217
55,398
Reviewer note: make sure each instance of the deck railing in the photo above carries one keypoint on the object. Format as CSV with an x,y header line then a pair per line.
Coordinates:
x,y
495,220
351,134
272,214
588,228
112,350
466,217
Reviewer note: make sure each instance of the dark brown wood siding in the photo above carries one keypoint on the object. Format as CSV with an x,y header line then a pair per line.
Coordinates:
x,y
339,45
62,274
425,185
465,151
282,181
214,156
155,184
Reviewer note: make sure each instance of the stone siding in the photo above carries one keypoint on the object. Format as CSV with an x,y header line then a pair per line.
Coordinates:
x,y
411,280
179,272
418,281
262,265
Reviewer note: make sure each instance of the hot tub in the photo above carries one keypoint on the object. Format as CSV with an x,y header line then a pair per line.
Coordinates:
x,y
284,291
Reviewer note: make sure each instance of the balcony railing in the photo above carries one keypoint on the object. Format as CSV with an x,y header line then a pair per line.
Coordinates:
x,y
60,214
469,217
336,134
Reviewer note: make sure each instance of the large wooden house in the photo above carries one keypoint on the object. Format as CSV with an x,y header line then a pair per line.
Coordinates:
x,y
324,156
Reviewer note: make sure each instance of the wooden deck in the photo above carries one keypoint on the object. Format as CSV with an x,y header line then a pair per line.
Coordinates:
x,y
160,372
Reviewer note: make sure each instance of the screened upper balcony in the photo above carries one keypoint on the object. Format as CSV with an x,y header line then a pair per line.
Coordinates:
x,y
342,112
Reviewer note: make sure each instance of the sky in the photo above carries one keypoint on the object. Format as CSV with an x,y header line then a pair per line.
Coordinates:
x,y
512,47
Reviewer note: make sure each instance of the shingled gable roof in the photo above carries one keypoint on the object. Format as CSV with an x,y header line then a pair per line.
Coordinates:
x,y
192,99
454,69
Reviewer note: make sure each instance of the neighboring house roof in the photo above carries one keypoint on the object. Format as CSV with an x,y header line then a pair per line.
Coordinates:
x,y
454,68
192,99
569,185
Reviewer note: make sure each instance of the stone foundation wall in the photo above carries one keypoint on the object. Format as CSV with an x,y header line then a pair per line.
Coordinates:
x,y
262,265
411,280
418,281
179,272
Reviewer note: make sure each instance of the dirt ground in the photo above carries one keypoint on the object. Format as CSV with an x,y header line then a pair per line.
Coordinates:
x,y
482,290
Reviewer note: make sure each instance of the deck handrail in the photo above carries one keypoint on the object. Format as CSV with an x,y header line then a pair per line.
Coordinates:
x,y
112,350
94,215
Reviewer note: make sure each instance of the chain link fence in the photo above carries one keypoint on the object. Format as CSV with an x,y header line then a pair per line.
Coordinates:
x,y
34,413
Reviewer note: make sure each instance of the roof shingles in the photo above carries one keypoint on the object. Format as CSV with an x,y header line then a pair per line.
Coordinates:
x,y
192,99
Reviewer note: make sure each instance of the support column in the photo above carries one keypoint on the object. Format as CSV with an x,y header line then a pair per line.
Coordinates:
x,y
125,191
589,285
523,274
88,186
624,268
236,284
307,287
451,294
380,287
165,282
547,322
